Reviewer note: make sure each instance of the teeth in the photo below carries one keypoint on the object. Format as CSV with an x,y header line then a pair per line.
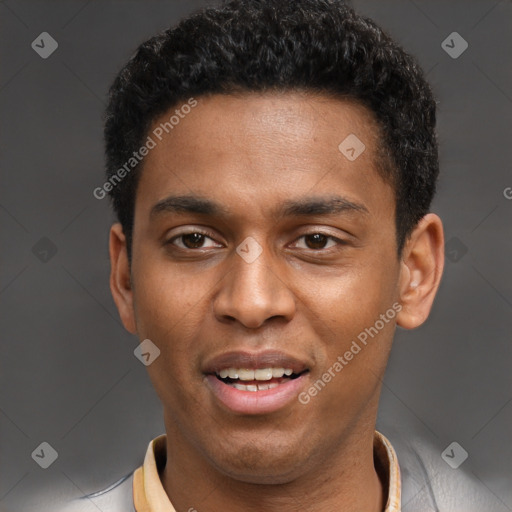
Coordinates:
x,y
265,374
260,374
277,372
245,374
253,387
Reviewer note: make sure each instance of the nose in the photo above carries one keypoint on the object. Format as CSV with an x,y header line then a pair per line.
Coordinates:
x,y
254,292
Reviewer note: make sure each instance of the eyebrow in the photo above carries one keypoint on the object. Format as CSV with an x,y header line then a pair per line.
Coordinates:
x,y
303,207
188,204
320,206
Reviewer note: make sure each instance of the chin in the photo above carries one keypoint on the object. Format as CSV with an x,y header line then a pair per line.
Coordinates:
x,y
267,464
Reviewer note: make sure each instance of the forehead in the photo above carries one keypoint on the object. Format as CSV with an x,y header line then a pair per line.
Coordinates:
x,y
277,144
300,121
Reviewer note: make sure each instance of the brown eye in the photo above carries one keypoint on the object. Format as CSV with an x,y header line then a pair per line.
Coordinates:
x,y
193,240
316,241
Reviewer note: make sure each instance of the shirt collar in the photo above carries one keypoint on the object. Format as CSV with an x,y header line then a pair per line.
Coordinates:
x,y
150,496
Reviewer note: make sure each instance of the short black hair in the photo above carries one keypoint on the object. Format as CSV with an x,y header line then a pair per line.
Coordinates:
x,y
321,46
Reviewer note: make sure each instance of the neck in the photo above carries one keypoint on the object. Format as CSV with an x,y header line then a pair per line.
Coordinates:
x,y
345,480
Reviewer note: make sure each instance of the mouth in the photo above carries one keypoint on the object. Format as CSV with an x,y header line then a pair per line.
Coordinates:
x,y
259,379
246,383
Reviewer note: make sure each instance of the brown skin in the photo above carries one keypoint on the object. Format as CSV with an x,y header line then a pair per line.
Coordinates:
x,y
310,299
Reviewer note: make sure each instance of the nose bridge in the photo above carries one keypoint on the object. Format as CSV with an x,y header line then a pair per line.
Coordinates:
x,y
253,272
253,291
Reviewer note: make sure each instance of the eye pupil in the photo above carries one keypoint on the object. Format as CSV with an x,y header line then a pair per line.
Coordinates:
x,y
316,241
193,240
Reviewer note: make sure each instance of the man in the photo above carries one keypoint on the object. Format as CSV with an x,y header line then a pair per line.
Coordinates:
x,y
272,164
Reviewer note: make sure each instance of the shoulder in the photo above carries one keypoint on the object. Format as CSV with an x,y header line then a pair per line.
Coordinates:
x,y
117,497
431,484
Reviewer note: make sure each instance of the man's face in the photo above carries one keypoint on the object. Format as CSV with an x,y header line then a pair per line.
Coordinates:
x,y
258,244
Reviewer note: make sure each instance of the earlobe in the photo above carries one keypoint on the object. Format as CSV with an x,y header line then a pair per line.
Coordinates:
x,y
421,270
120,278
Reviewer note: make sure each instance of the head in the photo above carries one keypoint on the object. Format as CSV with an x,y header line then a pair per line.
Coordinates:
x,y
278,217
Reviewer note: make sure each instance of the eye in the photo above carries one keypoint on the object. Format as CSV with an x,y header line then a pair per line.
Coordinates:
x,y
317,241
193,240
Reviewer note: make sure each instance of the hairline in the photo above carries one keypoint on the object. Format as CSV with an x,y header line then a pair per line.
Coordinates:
x,y
381,159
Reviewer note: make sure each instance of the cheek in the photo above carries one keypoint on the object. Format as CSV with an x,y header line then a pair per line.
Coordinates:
x,y
355,349
169,312
166,298
350,300
345,313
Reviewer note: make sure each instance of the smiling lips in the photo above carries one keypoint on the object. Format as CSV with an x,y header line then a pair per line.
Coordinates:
x,y
261,383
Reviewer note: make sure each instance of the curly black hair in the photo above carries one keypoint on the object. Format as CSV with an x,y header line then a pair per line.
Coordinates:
x,y
321,46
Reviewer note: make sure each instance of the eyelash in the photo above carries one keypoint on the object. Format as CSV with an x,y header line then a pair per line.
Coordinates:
x,y
208,235
195,231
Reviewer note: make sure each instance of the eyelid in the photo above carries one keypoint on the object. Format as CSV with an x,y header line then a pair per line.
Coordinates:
x,y
323,231
336,239
190,231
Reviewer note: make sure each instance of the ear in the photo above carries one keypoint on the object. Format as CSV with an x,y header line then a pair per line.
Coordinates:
x,y
421,268
120,278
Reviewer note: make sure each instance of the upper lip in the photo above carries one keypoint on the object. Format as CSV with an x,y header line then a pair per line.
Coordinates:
x,y
254,360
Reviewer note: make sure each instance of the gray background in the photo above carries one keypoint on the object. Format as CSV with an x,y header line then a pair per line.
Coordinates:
x,y
68,375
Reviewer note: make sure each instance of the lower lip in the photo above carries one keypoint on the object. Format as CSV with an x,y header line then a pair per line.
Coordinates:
x,y
256,402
